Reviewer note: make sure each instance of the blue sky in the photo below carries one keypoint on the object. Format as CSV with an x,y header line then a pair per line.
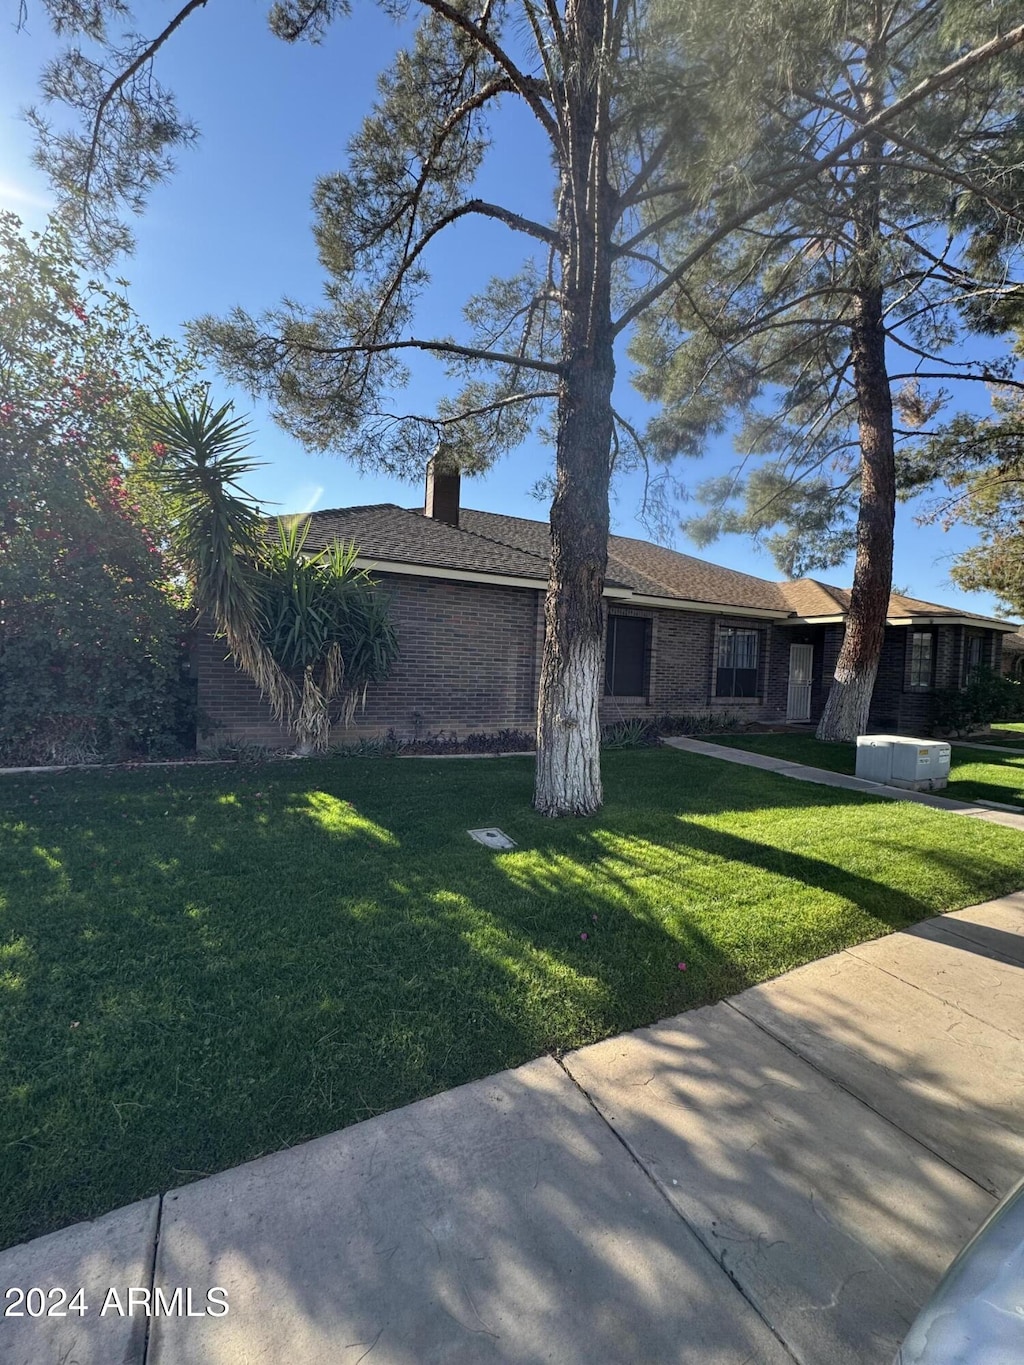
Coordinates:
x,y
233,227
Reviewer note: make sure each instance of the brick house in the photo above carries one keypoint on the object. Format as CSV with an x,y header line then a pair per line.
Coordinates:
x,y
682,635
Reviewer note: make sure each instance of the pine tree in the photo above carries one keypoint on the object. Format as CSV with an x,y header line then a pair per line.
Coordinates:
x,y
979,462
807,318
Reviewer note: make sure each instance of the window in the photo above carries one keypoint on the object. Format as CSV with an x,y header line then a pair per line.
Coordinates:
x,y
920,659
625,658
972,656
736,673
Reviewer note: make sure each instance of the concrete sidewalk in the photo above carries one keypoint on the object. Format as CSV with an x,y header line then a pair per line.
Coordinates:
x,y
801,772
780,1177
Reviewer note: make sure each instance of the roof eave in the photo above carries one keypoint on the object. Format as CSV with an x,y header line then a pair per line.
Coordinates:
x,y
612,591
916,620
400,566
717,608
988,622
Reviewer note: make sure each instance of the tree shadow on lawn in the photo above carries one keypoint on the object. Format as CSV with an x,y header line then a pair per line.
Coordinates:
x,y
201,971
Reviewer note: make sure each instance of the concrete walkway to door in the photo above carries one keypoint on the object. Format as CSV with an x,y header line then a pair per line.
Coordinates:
x,y
778,1178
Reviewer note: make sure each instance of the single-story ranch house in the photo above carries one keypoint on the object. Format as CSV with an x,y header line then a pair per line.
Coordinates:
x,y
682,635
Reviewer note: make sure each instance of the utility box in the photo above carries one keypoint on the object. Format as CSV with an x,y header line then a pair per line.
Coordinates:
x,y
921,764
918,764
874,757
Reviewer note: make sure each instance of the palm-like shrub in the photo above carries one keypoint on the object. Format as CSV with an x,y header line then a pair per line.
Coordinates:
x,y
311,630
326,625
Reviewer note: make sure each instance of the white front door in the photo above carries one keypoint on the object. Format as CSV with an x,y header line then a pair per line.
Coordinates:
x,y
801,668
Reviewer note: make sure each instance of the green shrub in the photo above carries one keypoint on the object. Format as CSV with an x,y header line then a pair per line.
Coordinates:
x,y
440,744
635,733
389,745
987,697
706,722
500,742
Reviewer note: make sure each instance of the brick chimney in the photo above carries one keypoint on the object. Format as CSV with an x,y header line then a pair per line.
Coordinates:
x,y
442,494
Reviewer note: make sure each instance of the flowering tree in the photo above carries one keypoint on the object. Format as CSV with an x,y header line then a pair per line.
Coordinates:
x,y
90,619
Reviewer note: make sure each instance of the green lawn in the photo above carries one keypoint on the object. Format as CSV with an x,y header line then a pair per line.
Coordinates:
x,y
1007,732
201,965
838,758
975,774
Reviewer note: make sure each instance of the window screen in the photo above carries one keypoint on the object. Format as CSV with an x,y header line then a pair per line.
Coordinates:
x,y
625,660
972,656
736,673
921,658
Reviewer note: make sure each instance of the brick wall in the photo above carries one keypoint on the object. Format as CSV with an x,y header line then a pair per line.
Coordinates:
x,y
470,661
467,662
889,704
895,705
907,710
996,651
681,667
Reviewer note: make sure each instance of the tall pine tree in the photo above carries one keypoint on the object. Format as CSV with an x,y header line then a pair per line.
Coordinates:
x,y
831,322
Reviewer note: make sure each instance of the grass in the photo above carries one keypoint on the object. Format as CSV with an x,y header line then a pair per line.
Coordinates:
x,y
1007,732
975,774
837,758
201,967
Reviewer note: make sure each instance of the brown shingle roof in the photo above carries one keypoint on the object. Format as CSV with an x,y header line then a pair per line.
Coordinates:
x,y
386,532
650,570
808,597
694,580
517,547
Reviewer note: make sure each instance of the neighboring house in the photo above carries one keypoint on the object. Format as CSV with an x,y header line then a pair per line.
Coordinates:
x,y
682,635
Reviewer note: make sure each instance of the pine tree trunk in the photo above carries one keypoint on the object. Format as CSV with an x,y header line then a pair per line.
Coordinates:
x,y
568,774
849,700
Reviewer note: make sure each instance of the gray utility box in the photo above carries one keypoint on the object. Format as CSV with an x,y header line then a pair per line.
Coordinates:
x,y
920,764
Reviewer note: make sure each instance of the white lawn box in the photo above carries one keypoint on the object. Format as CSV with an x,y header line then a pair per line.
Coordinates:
x,y
896,760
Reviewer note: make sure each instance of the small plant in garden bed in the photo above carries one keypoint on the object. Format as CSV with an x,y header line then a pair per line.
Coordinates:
x,y
503,742
699,723
440,745
389,745
630,734
242,752
640,733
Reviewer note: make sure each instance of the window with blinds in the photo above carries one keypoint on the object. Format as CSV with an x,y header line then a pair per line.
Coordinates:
x,y
736,671
921,659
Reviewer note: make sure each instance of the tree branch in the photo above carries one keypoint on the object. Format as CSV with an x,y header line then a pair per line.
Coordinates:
x,y
531,89
994,48
414,343
633,193
515,221
468,413
954,378
122,80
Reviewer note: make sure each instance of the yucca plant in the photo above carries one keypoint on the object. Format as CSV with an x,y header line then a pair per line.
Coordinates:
x,y
326,624
311,630
217,530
